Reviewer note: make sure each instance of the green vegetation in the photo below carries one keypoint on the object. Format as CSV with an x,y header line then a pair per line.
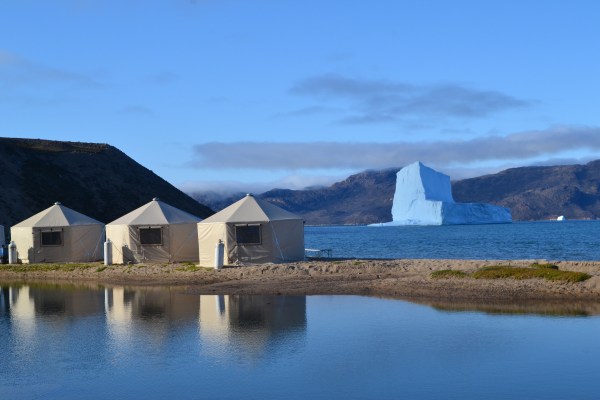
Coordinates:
x,y
188,263
544,266
191,267
100,269
551,274
544,271
448,273
68,267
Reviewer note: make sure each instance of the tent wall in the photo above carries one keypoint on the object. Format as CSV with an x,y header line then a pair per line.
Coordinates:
x,y
184,242
252,253
289,238
23,238
208,236
119,237
281,241
179,243
80,243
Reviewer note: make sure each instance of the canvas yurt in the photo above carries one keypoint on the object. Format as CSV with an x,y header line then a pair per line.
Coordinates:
x,y
58,234
253,231
155,232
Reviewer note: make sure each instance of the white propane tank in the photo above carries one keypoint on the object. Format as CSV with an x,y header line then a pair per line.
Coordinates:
x,y
108,252
12,253
219,254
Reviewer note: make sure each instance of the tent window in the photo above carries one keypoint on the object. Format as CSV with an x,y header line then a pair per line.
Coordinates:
x,y
247,234
52,238
151,236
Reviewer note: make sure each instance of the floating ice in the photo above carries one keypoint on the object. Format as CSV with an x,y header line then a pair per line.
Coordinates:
x,y
424,197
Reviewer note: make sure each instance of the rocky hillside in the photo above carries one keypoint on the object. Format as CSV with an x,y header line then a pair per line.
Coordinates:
x,y
363,198
536,193
532,193
95,179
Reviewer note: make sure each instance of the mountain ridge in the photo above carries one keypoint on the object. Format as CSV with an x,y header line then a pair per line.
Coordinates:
x,y
95,179
532,193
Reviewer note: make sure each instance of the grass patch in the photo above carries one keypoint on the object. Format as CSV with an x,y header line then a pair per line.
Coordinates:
x,y
358,262
448,273
100,269
191,267
544,266
67,267
551,274
188,264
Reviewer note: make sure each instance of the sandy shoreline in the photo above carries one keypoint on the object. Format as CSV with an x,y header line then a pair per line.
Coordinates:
x,y
403,278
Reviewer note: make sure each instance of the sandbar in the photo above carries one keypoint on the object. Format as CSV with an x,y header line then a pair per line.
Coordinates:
x,y
400,278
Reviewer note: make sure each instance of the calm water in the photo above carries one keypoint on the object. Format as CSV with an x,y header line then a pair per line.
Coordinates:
x,y
551,240
155,343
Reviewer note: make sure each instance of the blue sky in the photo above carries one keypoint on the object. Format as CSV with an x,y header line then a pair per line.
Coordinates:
x,y
250,95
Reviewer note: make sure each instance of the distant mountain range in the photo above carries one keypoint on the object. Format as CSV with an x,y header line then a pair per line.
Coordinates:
x,y
532,193
95,179
537,193
101,181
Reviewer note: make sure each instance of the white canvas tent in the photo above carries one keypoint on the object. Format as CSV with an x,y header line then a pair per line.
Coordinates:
x,y
58,234
155,232
253,231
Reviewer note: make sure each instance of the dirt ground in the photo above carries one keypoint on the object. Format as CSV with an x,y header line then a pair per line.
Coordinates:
x,y
402,278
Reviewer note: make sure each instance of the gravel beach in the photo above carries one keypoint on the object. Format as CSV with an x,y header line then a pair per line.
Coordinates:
x,y
401,278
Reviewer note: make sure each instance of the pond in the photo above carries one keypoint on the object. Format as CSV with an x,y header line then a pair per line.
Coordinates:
x,y
161,342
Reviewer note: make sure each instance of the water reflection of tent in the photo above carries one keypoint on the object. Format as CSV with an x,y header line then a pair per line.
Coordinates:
x,y
58,234
253,231
151,312
75,302
155,232
118,309
251,324
168,304
17,302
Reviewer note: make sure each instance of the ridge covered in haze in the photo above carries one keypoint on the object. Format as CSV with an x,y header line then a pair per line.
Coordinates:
x,y
532,193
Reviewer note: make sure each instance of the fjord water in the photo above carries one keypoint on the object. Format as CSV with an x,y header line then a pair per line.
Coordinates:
x,y
550,240
154,343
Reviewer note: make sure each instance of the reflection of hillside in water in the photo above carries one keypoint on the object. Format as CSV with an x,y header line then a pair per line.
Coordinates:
x,y
251,324
536,307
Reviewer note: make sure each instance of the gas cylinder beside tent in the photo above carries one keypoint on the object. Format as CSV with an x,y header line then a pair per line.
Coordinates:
x,y
154,232
58,234
253,231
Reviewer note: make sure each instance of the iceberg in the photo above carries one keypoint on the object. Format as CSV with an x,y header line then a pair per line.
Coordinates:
x,y
424,197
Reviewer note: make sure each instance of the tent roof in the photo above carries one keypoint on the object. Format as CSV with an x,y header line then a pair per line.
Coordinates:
x,y
251,209
156,213
55,216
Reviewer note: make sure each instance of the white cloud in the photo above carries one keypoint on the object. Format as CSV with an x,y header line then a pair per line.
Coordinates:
x,y
294,182
523,146
369,101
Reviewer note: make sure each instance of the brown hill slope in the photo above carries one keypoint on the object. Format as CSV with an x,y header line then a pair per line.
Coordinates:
x,y
95,179
532,193
535,193
362,198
